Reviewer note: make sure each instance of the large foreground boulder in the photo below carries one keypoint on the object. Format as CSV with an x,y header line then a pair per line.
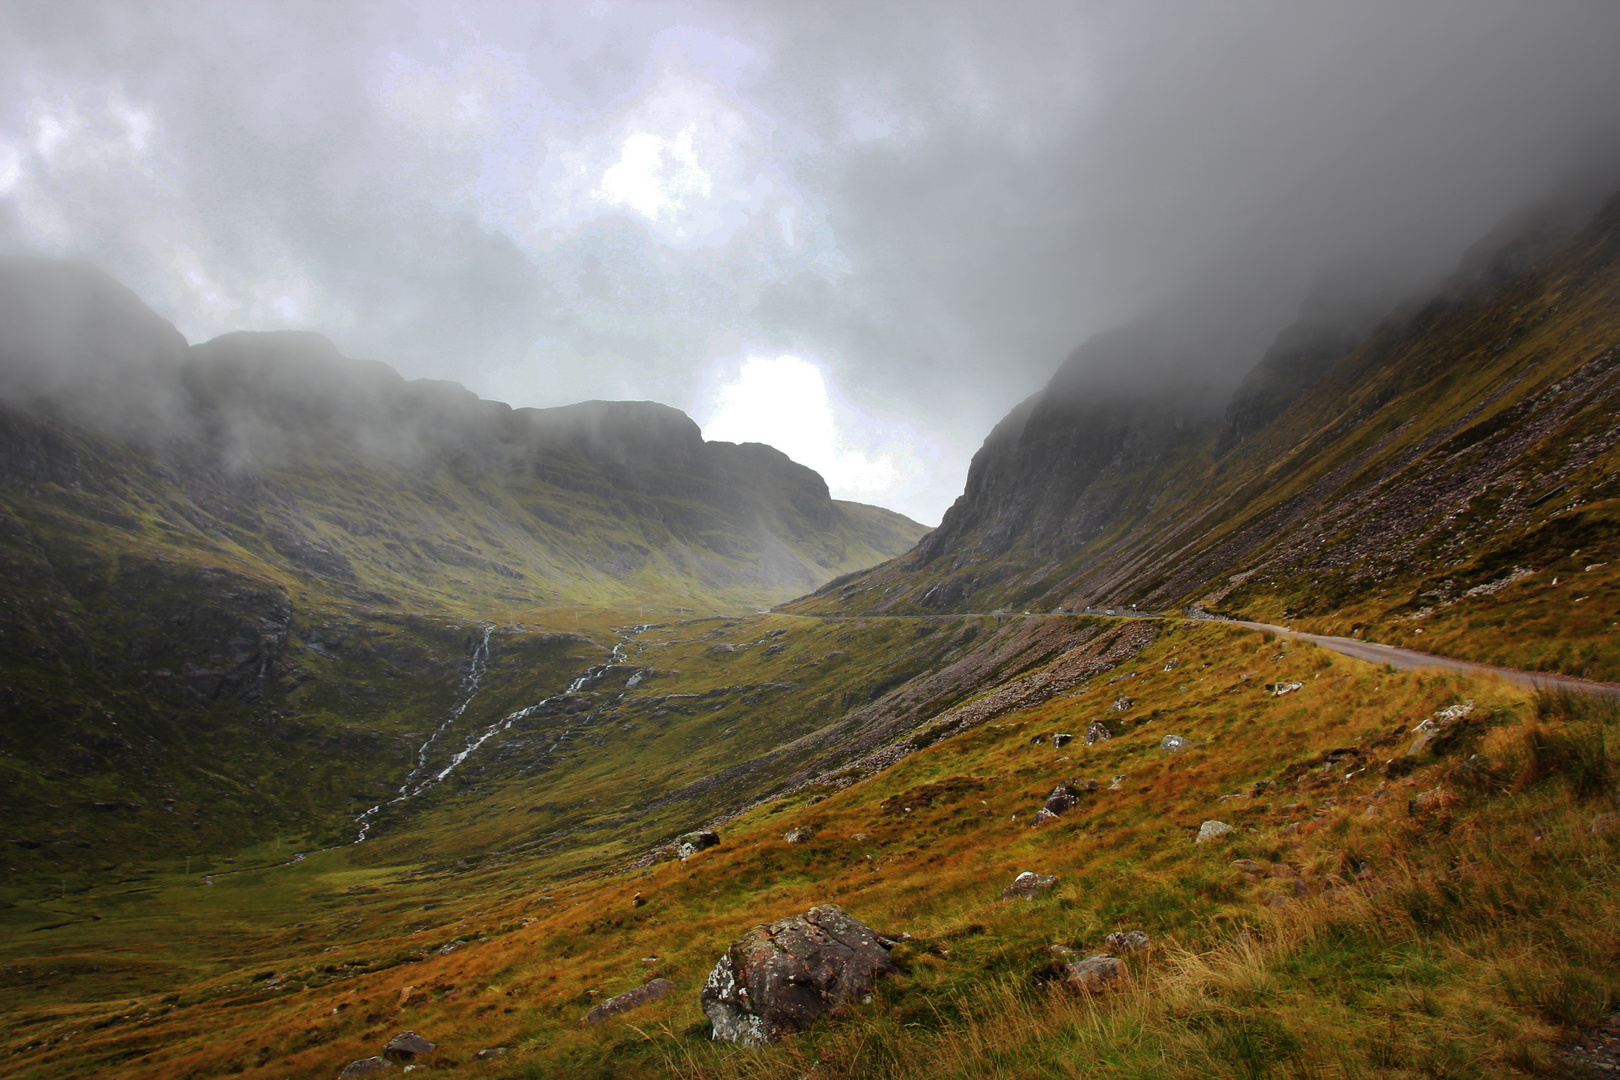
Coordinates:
x,y
778,979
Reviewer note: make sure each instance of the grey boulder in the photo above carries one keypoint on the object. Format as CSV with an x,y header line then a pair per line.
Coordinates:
x,y
780,978
407,1046
694,842
630,999
370,1066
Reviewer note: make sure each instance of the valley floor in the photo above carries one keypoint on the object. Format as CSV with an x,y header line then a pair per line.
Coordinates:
x,y
1389,902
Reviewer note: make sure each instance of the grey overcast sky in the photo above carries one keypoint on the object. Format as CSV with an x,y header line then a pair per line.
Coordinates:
x,y
858,231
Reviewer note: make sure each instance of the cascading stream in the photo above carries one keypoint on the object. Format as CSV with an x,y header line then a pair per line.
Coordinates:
x,y
469,688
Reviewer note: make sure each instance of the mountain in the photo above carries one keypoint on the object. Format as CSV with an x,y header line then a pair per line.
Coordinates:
x,y
275,453
1428,472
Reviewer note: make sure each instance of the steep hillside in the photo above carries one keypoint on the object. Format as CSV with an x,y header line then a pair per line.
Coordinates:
x,y
275,453
1434,480
244,585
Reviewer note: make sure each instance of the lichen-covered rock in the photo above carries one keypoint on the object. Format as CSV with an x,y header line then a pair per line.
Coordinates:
x,y
1125,942
1061,739
693,842
370,1066
1097,732
630,999
778,979
1095,974
799,835
1029,885
1211,829
1062,800
407,1046
1174,744
1042,816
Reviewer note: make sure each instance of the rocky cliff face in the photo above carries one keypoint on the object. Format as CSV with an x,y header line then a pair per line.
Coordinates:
x,y
1409,458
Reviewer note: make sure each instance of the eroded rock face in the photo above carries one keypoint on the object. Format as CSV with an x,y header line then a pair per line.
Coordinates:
x,y
630,999
778,979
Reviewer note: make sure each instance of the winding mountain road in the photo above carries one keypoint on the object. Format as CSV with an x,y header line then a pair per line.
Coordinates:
x,y
1372,652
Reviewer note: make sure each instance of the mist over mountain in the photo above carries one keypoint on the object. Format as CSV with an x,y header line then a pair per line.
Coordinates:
x,y
277,446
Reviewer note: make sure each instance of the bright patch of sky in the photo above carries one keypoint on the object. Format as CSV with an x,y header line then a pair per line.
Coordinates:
x,y
785,402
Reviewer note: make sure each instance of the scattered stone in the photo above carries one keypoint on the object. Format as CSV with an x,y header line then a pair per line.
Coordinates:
x,y
1126,942
1279,689
1259,787
490,1052
1042,816
638,900
799,834
1605,823
1061,739
630,999
1431,729
1095,974
693,842
1209,830
1427,802
1062,951
1116,784
1085,785
778,979
364,1067
1121,703
407,1046
1097,732
1029,885
1174,744
1248,866
1062,800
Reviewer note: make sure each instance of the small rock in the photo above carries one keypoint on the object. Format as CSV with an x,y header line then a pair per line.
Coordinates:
x,y
1605,823
1126,942
1121,703
1062,951
1097,732
1062,800
1061,740
1209,830
1095,974
1174,744
693,842
1029,885
1042,816
364,1067
407,1046
1248,866
1116,784
490,1052
638,900
630,999
799,835
1427,802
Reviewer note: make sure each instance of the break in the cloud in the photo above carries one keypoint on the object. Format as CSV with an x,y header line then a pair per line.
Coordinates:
x,y
784,401
935,200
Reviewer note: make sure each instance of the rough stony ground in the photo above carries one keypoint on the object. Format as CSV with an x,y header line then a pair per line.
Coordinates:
x,y
1599,1051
